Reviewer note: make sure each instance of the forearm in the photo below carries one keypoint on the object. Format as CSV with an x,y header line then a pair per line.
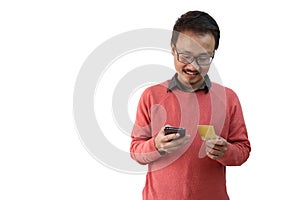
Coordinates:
x,y
236,154
144,151
239,148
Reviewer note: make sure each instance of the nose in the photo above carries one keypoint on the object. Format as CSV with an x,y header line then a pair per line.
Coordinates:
x,y
195,65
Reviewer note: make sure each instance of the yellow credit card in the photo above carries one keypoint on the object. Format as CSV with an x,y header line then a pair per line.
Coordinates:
x,y
206,132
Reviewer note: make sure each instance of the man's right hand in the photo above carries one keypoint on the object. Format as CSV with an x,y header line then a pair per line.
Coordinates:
x,y
169,143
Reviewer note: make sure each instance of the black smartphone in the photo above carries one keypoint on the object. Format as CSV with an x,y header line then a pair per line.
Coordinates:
x,y
172,130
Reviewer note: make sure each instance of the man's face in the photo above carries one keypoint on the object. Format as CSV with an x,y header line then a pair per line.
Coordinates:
x,y
189,45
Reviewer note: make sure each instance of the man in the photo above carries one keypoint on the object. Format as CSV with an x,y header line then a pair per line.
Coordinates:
x,y
189,167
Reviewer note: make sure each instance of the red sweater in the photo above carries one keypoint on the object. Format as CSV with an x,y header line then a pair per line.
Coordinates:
x,y
188,173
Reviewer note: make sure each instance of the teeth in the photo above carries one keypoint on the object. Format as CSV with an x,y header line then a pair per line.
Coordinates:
x,y
191,73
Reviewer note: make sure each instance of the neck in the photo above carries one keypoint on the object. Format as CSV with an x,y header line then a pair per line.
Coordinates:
x,y
190,87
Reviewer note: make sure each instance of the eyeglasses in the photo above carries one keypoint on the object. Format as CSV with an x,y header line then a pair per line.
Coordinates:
x,y
203,60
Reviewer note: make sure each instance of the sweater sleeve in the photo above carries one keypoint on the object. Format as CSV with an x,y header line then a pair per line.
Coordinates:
x,y
142,148
238,149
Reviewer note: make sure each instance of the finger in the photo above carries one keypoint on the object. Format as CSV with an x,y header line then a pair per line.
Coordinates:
x,y
173,148
220,143
162,130
218,147
168,138
214,154
214,149
214,157
211,144
181,140
176,144
216,142
217,150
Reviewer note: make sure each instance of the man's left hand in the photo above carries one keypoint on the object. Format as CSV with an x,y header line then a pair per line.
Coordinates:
x,y
216,148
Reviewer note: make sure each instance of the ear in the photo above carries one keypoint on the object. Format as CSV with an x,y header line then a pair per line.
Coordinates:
x,y
172,49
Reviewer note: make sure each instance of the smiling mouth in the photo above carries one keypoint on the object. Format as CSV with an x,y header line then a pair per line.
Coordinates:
x,y
189,72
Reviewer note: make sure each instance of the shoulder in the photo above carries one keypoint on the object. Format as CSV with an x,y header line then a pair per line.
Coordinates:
x,y
224,92
156,91
160,87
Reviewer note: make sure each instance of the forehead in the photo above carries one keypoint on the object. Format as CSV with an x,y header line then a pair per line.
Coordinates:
x,y
189,41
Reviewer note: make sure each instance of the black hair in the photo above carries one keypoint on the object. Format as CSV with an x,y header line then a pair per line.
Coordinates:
x,y
198,22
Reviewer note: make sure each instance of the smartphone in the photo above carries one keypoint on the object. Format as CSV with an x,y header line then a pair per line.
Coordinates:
x,y
172,130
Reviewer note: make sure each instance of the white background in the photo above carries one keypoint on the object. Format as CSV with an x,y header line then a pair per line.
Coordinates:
x,y
42,48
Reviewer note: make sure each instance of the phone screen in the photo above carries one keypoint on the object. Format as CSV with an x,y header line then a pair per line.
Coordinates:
x,y
172,130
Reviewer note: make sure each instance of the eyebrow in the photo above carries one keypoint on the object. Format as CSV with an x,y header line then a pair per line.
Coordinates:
x,y
189,52
201,54
184,51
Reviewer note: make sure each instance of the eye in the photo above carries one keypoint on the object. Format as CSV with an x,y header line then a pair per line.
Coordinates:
x,y
184,58
188,57
206,57
204,60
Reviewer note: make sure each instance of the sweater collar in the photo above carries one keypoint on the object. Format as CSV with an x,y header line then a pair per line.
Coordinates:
x,y
174,83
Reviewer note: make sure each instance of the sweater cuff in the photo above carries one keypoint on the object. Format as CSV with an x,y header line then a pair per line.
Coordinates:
x,y
155,154
227,156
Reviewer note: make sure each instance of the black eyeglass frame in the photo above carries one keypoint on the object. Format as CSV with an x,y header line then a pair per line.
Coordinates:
x,y
193,58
